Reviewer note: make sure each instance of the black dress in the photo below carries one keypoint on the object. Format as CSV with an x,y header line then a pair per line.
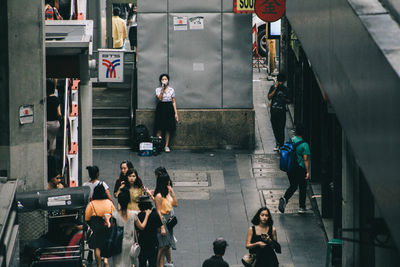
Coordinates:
x,y
165,116
266,256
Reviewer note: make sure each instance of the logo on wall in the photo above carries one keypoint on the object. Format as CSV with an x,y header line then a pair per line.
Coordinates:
x,y
111,65
111,71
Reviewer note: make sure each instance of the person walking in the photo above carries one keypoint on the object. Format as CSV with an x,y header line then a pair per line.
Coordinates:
x,y
300,174
98,213
94,181
118,29
148,236
165,199
166,112
132,26
53,115
261,239
122,178
219,246
135,187
127,219
278,94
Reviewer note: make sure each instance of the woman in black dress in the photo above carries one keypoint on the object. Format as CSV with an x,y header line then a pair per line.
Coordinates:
x,y
166,113
260,239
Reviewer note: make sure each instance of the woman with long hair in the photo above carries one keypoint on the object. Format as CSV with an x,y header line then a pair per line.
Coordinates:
x,y
165,200
98,213
261,237
135,187
127,219
122,178
94,174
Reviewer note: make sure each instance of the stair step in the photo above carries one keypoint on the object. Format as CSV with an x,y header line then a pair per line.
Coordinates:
x,y
111,131
110,141
112,147
110,111
111,121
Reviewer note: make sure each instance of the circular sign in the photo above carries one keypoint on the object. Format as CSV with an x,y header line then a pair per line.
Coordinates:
x,y
270,10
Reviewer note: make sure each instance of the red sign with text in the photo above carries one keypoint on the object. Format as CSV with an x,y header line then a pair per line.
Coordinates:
x,y
270,10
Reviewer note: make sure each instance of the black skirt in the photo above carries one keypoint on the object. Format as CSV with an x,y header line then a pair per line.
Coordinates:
x,y
165,118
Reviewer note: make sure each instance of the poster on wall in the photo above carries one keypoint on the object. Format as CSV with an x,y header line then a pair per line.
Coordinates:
x,y
180,23
196,23
111,65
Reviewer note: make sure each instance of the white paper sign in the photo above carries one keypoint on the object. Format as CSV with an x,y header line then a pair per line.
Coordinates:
x,y
180,23
26,114
111,65
196,23
198,66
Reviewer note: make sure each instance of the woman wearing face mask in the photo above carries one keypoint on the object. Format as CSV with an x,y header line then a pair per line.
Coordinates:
x,y
122,178
135,186
166,113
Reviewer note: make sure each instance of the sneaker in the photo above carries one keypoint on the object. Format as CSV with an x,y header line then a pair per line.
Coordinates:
x,y
302,210
276,148
169,264
166,149
282,204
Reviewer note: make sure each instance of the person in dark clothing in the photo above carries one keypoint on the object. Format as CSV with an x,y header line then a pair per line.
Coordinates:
x,y
147,238
278,94
53,114
261,239
219,246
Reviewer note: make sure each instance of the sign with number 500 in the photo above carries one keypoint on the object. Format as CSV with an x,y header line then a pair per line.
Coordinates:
x,y
243,6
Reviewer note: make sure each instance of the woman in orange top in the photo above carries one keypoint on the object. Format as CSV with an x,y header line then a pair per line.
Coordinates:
x,y
165,199
98,214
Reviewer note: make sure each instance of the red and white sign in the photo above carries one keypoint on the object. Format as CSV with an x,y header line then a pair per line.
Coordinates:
x,y
270,10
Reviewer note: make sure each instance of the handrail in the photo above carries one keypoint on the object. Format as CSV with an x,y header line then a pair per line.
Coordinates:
x,y
133,101
66,105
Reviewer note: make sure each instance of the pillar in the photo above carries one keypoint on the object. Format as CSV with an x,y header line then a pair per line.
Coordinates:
x,y
26,55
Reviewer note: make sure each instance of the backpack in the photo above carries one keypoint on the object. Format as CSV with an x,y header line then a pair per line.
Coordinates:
x,y
141,135
288,157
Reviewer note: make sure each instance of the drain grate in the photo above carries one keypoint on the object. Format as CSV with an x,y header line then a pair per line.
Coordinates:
x,y
266,166
190,178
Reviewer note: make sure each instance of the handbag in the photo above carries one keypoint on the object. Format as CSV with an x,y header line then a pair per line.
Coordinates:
x,y
249,259
172,221
113,244
276,246
135,248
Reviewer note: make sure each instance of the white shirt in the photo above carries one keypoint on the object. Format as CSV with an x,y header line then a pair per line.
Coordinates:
x,y
93,185
168,95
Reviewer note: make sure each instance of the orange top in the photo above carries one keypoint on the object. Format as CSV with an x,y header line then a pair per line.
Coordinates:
x,y
166,205
98,207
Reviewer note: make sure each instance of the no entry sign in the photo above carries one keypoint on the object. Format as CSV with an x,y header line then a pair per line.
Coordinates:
x,y
270,10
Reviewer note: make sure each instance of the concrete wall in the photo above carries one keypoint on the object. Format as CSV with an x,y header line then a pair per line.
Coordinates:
x,y
26,87
208,128
210,68
4,102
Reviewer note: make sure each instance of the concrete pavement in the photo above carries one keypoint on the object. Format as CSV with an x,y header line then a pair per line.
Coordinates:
x,y
219,192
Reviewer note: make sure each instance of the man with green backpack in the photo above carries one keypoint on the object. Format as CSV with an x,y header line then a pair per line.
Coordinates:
x,y
299,173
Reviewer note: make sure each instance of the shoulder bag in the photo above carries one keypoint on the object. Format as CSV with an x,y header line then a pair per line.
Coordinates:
x,y
135,248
